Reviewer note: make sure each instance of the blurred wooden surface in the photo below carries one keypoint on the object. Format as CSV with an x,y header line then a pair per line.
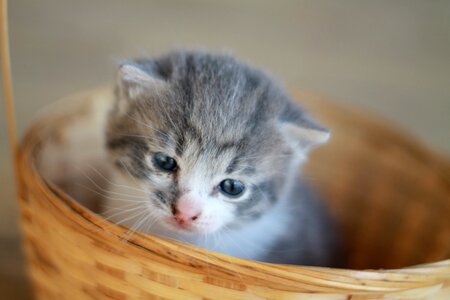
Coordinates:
x,y
13,282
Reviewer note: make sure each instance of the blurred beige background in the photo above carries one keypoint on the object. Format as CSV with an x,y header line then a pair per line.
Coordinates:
x,y
391,57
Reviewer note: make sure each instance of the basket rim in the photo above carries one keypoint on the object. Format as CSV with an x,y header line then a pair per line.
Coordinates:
x,y
292,278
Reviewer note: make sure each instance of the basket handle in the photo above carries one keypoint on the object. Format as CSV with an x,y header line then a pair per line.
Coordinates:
x,y
8,88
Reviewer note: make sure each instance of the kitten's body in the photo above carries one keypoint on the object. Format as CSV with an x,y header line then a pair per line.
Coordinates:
x,y
215,120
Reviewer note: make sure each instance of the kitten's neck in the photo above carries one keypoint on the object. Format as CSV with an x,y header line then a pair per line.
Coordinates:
x,y
292,178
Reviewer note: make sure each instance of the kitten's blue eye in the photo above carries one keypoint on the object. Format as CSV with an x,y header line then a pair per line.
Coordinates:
x,y
164,162
231,187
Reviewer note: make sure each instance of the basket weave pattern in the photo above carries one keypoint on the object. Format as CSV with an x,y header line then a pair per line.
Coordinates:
x,y
390,195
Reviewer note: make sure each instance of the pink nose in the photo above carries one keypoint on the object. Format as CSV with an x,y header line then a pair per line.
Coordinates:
x,y
185,211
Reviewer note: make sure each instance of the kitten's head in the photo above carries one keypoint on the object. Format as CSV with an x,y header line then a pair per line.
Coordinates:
x,y
212,141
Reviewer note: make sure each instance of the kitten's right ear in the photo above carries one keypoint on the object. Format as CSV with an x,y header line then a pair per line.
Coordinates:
x,y
134,82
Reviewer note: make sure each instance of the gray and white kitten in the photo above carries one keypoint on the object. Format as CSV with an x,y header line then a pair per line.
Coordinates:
x,y
207,151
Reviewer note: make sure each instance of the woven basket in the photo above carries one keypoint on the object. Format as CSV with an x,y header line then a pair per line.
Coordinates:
x,y
390,195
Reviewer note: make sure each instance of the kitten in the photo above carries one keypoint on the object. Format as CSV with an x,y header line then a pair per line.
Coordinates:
x,y
207,151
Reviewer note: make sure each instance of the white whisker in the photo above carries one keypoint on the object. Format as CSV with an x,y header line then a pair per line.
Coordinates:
x,y
112,183
107,196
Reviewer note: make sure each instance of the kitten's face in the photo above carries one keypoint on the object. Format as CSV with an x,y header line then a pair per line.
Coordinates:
x,y
202,187
211,142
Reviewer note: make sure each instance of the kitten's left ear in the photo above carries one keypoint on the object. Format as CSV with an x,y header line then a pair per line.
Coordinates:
x,y
301,131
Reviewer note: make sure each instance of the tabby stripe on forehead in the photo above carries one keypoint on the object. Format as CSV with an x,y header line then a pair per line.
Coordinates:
x,y
247,169
233,165
185,83
194,132
224,146
180,145
163,138
137,143
258,115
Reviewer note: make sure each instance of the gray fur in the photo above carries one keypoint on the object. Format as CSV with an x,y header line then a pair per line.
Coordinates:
x,y
213,109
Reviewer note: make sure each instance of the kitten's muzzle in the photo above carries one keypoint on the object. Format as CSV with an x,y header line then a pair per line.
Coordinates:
x,y
184,213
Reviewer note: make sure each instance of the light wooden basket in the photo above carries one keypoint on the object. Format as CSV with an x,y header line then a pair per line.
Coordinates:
x,y
390,195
